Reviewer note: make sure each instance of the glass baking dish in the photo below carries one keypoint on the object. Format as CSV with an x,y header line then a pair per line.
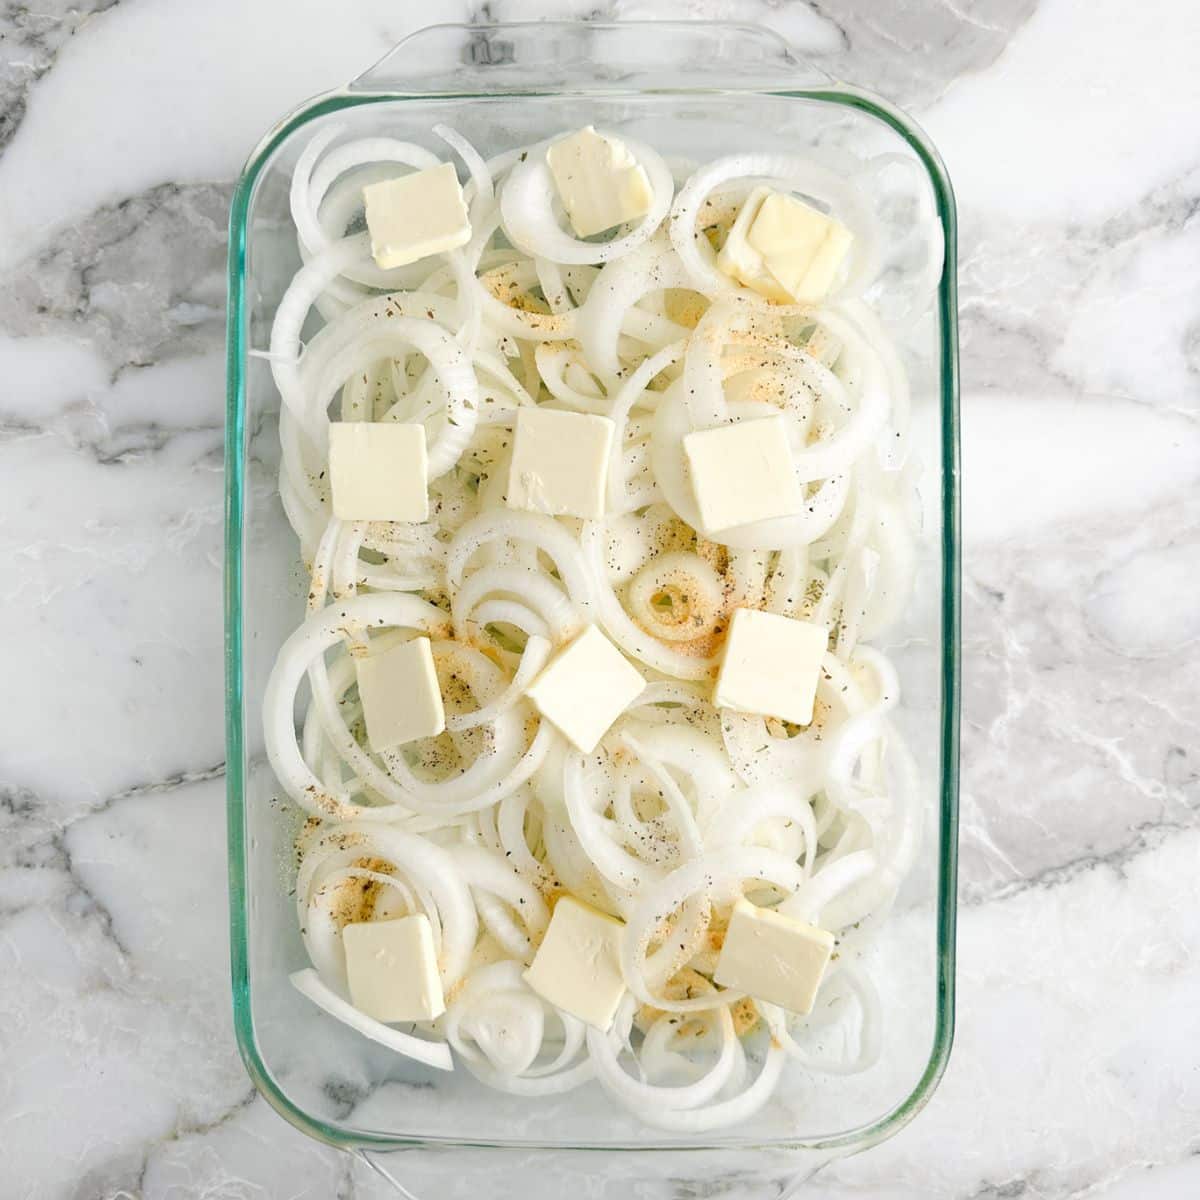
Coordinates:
x,y
695,90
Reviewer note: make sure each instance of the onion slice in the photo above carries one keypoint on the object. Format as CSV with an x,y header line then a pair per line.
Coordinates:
x,y
433,1054
527,208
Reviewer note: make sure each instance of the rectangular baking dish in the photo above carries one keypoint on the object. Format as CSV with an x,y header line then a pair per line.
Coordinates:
x,y
697,90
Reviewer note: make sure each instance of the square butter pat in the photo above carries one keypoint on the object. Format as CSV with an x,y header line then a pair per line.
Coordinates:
x,y
560,463
741,261
742,473
586,688
400,695
378,471
771,665
599,182
783,248
392,969
577,966
801,247
416,215
773,957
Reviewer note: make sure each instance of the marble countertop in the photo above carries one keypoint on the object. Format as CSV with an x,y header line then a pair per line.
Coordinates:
x,y
1069,127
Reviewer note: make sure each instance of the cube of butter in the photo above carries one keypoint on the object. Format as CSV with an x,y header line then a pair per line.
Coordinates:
x,y
771,665
578,965
783,248
773,957
400,695
416,215
599,182
803,248
586,687
560,463
392,969
742,472
378,471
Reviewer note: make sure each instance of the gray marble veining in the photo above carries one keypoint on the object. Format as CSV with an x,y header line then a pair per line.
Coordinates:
x,y
32,39
107,280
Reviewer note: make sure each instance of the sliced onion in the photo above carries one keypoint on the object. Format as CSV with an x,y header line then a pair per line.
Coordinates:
x,y
632,639
496,1023
481,177
682,809
489,595
312,639
723,1113
615,293
718,875
779,533
538,530
794,174
433,1054
449,363
526,205
869,1042
605,1049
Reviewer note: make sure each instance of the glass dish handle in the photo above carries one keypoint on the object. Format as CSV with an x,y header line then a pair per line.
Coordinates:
x,y
552,1174
553,56
377,1160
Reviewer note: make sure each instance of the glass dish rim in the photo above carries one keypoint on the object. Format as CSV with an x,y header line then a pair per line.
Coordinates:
x,y
260,1074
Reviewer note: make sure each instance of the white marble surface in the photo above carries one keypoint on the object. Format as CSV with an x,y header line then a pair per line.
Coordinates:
x,y
1070,129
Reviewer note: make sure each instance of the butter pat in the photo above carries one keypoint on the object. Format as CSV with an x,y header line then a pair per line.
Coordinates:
x,y
742,472
599,182
783,248
378,471
415,216
771,665
586,688
560,463
400,695
773,957
801,247
578,966
392,969
741,261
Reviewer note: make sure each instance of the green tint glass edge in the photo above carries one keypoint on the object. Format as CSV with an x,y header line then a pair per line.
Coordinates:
x,y
260,1075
